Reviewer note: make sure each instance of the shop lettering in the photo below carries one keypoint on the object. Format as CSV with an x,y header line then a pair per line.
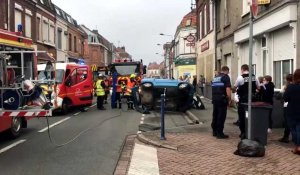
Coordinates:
x,y
263,2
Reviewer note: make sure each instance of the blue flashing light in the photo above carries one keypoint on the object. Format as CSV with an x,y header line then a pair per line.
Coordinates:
x,y
81,62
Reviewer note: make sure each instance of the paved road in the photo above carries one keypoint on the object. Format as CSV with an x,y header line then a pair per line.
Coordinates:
x,y
95,152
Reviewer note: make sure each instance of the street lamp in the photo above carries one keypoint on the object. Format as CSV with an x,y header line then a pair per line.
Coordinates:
x,y
162,34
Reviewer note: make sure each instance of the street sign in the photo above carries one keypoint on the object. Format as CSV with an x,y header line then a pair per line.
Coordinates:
x,y
190,38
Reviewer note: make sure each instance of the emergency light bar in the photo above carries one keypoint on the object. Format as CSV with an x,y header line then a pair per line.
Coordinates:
x,y
121,60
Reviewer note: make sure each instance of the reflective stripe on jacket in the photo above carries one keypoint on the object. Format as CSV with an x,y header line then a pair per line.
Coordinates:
x,y
99,89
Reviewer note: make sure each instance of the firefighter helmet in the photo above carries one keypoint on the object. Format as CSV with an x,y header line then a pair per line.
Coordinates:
x,y
132,76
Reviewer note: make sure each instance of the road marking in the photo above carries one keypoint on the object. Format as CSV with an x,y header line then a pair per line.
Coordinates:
x,y
94,105
143,115
142,118
141,122
139,132
77,113
144,161
54,124
11,146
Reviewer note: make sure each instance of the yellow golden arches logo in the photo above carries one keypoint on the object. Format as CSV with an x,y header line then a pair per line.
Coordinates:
x,y
94,67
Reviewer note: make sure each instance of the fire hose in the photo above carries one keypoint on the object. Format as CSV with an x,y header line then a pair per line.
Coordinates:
x,y
80,133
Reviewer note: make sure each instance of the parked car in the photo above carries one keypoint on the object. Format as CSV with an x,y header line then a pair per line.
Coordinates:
x,y
179,95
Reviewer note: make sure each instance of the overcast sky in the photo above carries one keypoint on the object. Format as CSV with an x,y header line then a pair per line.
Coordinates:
x,y
135,24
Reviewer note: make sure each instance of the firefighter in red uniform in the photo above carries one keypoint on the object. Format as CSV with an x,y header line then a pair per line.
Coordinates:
x,y
131,82
118,93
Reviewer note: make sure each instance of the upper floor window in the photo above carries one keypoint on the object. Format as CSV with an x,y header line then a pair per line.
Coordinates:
x,y
188,22
226,12
59,38
45,31
200,25
18,19
51,33
75,44
246,7
28,26
70,42
38,28
205,20
211,23
57,11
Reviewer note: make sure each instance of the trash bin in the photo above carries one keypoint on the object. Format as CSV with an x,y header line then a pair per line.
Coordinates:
x,y
259,121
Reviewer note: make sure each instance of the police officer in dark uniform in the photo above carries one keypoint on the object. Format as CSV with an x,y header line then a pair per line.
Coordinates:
x,y
241,87
221,96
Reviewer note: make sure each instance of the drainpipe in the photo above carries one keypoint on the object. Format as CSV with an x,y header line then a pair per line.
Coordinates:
x,y
215,30
8,15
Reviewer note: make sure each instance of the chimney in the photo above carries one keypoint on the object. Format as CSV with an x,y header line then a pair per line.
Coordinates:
x,y
95,31
123,48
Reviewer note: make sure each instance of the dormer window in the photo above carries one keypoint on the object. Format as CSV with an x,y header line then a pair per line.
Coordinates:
x,y
188,22
57,12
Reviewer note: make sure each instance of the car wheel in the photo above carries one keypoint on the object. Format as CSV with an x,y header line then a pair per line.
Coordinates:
x,y
14,131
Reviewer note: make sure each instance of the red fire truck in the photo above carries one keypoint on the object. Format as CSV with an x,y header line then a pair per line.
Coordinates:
x,y
20,98
125,67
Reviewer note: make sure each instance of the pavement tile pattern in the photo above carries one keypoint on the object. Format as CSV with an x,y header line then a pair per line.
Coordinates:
x,y
200,153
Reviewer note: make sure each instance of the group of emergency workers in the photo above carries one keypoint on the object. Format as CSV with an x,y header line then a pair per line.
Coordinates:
x,y
123,88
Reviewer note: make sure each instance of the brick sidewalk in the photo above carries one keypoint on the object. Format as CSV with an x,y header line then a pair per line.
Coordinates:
x,y
200,153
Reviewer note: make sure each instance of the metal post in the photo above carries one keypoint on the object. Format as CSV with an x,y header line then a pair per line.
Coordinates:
x,y
22,63
162,117
114,90
250,73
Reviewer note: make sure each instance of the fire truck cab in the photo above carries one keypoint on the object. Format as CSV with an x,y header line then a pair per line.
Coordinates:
x,y
74,85
125,67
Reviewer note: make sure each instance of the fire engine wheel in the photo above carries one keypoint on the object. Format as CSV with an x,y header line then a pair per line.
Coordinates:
x,y
14,131
65,107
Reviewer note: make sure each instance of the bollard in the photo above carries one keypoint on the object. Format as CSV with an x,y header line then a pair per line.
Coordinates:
x,y
162,117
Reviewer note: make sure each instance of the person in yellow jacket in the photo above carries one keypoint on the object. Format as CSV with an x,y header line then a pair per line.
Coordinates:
x,y
100,91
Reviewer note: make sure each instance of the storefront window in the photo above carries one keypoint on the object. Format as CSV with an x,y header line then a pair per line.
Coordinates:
x,y
281,69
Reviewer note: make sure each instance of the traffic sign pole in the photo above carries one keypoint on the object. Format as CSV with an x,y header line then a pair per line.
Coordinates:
x,y
250,65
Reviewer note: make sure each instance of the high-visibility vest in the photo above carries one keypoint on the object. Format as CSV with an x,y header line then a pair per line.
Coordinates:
x,y
99,89
130,85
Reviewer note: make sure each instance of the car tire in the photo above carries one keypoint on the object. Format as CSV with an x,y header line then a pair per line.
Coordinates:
x,y
14,131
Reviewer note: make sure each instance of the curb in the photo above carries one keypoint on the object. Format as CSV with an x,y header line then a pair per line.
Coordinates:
x,y
145,140
192,116
188,120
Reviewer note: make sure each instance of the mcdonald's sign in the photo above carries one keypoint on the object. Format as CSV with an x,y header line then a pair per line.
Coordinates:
x,y
94,67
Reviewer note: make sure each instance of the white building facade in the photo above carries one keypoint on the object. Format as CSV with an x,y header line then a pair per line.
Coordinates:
x,y
184,63
61,40
274,46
